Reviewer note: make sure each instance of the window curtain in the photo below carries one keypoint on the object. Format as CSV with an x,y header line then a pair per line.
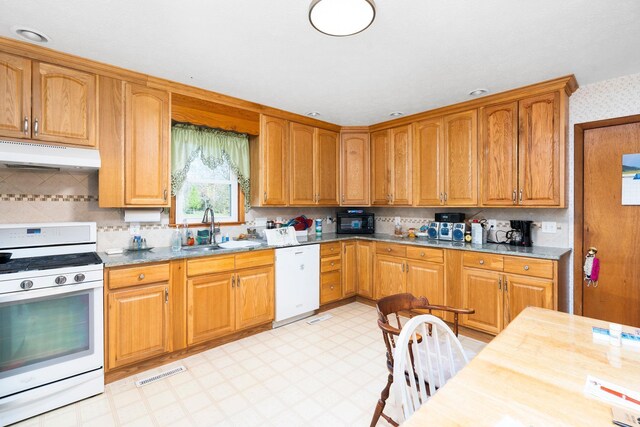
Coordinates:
x,y
214,147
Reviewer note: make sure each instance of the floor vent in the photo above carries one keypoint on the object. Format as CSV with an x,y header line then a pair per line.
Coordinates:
x,y
160,376
315,320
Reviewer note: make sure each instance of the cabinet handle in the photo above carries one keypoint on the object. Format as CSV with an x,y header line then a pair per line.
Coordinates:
x,y
526,268
141,276
265,197
25,125
445,197
506,285
521,195
514,197
165,194
500,284
35,127
166,295
345,249
343,198
238,284
403,267
481,262
233,281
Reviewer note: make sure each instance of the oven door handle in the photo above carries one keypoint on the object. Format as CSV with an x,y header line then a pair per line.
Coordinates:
x,y
47,292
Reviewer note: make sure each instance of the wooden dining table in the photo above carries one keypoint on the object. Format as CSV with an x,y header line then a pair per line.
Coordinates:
x,y
533,374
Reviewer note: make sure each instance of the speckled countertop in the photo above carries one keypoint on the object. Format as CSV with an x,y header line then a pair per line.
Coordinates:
x,y
165,253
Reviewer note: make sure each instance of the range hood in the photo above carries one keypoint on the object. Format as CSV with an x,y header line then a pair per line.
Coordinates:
x,y
27,155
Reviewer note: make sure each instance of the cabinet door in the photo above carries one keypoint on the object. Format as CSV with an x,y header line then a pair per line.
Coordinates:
x,y
64,105
522,292
302,165
349,269
461,174
355,167
428,162
401,168
426,279
390,276
139,324
327,169
147,122
365,269
499,154
380,169
330,287
15,96
254,297
210,307
482,291
274,138
541,156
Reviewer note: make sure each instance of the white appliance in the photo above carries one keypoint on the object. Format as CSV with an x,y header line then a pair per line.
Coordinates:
x,y
297,283
27,155
51,318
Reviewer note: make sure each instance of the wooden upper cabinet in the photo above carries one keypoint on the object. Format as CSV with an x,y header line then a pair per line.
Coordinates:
x,y
428,162
64,105
15,96
541,162
147,121
380,168
461,175
401,169
254,297
499,154
327,156
302,165
274,140
355,166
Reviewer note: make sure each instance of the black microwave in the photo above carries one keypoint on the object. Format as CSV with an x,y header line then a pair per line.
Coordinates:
x,y
355,222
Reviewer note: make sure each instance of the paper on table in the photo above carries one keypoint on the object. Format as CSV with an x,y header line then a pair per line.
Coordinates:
x,y
612,393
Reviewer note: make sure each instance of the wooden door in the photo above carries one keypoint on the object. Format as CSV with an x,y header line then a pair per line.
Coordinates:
x,y
327,167
522,292
541,158
254,297
428,163
482,291
15,96
64,105
210,307
390,276
302,165
610,226
365,269
426,279
461,173
401,184
355,167
139,324
147,122
274,138
330,287
349,268
499,154
380,168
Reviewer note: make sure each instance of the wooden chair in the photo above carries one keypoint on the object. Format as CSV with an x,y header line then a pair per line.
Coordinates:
x,y
393,305
429,350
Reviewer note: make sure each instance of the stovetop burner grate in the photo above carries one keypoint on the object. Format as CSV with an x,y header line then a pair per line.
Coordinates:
x,y
50,262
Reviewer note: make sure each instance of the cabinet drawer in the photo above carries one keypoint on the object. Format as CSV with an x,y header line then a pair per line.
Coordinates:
x,y
529,267
208,265
329,249
330,264
254,259
330,289
425,254
391,249
138,275
483,260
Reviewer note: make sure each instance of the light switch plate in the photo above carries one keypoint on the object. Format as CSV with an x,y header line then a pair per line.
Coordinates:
x,y
549,227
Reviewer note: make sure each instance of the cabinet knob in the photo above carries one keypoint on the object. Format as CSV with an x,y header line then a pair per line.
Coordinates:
x,y
481,262
331,287
141,276
526,268
422,254
332,263
388,249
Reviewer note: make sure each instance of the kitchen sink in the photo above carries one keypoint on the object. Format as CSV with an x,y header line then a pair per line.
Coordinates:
x,y
201,248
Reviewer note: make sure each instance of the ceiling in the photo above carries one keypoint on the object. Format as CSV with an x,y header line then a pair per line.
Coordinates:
x,y
417,55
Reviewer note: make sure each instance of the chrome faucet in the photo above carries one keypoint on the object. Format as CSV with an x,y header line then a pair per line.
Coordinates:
x,y
210,218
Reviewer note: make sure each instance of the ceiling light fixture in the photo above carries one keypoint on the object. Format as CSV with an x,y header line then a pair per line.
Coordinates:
x,y
313,114
31,34
341,18
396,114
478,92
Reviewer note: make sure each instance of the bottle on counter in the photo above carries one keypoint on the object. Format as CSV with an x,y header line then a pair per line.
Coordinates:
x,y
176,239
318,226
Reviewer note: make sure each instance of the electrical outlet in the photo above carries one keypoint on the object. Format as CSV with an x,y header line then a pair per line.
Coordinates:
x,y
134,229
549,227
397,220
492,223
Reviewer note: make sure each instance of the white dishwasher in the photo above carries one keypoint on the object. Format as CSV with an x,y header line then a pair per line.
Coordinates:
x,y
297,283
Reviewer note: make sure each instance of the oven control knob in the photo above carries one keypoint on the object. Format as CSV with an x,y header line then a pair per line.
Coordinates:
x,y
26,284
79,278
61,280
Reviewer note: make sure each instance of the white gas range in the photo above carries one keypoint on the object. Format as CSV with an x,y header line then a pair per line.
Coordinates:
x,y
51,318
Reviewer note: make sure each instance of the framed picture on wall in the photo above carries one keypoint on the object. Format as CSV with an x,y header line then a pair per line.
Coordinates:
x,y
631,179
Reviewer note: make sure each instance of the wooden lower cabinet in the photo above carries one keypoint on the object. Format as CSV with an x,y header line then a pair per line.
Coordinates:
x,y
365,268
482,291
522,292
254,296
138,324
426,279
349,268
330,287
390,277
210,307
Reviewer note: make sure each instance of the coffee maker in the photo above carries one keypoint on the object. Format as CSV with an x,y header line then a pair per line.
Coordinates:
x,y
520,233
